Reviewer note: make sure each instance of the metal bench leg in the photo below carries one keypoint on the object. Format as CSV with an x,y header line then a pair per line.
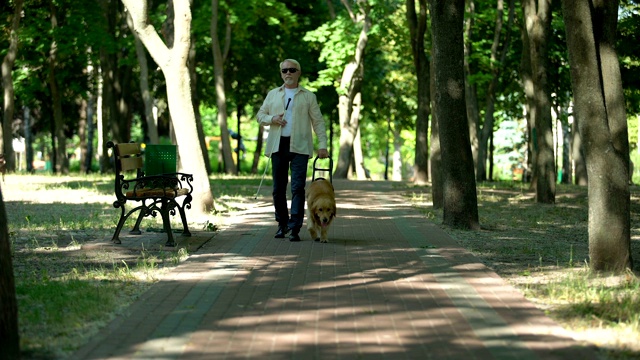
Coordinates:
x,y
164,212
116,236
185,227
136,228
183,216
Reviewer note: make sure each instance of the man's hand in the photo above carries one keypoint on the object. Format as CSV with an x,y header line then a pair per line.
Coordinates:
x,y
323,153
278,120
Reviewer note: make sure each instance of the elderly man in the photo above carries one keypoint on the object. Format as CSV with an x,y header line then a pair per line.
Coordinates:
x,y
291,112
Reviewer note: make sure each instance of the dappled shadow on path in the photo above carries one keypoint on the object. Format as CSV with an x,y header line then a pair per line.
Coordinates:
x,y
389,284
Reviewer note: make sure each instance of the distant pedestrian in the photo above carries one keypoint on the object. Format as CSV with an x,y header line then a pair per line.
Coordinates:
x,y
235,136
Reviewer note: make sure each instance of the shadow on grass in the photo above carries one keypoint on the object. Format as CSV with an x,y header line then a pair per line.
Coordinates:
x,y
26,216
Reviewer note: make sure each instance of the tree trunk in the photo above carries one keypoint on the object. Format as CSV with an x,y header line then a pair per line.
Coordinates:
x,y
460,198
437,192
530,110
120,100
59,163
82,133
125,100
538,24
196,105
28,138
106,111
102,113
349,100
221,98
358,157
577,155
91,110
9,335
566,147
396,174
257,154
491,148
610,67
497,58
417,29
173,62
599,104
566,152
386,153
6,131
470,91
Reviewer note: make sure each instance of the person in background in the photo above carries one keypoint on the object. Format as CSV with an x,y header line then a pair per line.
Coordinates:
x,y
291,112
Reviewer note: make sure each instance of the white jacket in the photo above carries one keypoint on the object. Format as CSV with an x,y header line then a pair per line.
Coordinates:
x,y
306,115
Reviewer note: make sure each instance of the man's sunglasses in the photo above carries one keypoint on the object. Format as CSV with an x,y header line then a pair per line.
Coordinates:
x,y
291,70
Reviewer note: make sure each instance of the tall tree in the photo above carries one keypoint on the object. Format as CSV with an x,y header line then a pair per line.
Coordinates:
x,y
460,208
6,130
147,99
469,86
577,154
537,15
219,56
529,106
91,101
106,102
195,97
60,162
417,23
349,92
498,56
9,338
600,108
173,62
435,161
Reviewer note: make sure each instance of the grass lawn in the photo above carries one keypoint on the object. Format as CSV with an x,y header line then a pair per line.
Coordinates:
x,y
543,250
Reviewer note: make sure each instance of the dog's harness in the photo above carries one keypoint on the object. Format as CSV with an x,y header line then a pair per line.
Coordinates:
x,y
329,170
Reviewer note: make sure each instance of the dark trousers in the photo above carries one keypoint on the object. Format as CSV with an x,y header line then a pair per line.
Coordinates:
x,y
282,161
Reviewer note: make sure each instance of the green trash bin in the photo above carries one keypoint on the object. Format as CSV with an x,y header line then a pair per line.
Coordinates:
x,y
160,159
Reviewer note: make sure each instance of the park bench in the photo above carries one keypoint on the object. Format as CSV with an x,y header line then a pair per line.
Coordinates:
x,y
152,184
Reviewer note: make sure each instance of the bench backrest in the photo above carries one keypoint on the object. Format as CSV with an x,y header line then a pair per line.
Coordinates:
x,y
128,157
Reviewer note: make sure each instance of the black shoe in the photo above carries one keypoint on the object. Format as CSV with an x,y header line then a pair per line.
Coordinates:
x,y
282,232
294,235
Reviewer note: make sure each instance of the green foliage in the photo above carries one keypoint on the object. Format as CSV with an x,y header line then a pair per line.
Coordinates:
x,y
390,91
338,40
509,95
262,34
629,52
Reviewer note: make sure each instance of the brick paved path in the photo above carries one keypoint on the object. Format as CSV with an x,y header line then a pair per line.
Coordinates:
x,y
389,285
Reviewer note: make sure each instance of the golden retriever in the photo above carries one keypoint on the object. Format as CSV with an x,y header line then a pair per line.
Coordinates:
x,y
321,209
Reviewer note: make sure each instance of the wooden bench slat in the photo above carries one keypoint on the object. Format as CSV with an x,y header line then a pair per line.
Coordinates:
x,y
153,193
131,163
128,149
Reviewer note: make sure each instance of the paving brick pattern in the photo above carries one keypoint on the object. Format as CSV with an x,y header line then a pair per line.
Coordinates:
x,y
389,285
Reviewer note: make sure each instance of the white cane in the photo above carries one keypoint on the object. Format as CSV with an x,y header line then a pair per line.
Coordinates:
x,y
271,154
